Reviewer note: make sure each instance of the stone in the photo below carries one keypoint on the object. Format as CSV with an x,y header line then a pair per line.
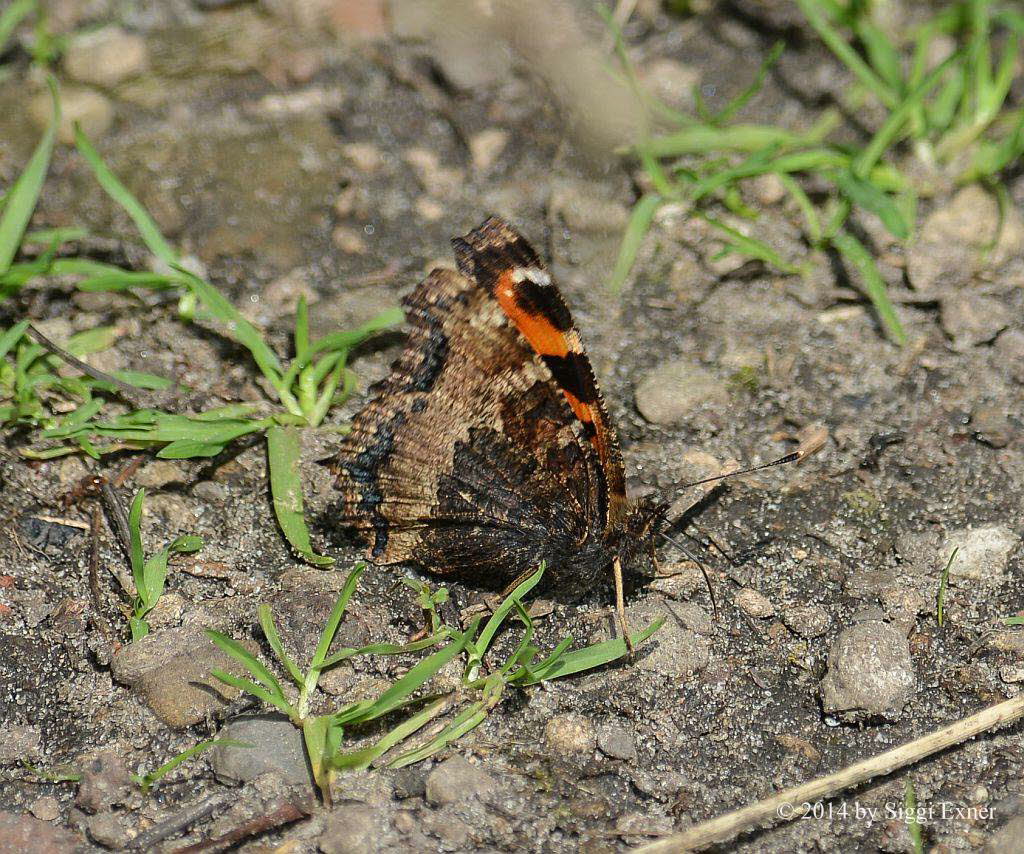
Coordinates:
x,y
27,835
982,555
160,473
107,829
437,180
672,390
1007,838
808,621
616,742
276,746
1009,353
45,808
971,319
584,206
351,828
106,56
171,670
952,240
105,782
870,673
365,156
754,603
992,425
92,110
19,742
486,146
670,81
348,240
456,780
210,491
570,733
672,651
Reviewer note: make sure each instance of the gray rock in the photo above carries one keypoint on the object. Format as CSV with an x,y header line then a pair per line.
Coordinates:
x,y
23,834
210,491
669,392
869,673
971,319
692,616
808,621
616,742
105,783
456,780
410,783
105,57
171,670
351,828
571,733
277,746
982,556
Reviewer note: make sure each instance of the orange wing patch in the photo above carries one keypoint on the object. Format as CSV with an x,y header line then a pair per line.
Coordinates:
x,y
501,260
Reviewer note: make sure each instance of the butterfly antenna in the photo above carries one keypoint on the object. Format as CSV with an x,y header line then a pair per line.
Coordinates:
x,y
789,458
700,564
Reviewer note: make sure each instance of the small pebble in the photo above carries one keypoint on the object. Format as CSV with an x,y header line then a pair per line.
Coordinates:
x,y
870,673
754,604
570,733
616,742
672,390
808,621
457,780
45,808
982,556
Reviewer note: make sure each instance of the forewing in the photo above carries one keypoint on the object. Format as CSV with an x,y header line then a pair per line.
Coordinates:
x,y
468,459
502,261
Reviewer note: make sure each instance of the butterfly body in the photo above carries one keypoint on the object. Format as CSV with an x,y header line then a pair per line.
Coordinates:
x,y
488,449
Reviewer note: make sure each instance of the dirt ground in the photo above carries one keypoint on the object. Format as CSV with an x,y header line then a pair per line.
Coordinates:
x,y
317,149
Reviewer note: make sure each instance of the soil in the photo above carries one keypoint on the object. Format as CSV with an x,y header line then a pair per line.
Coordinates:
x,y
335,158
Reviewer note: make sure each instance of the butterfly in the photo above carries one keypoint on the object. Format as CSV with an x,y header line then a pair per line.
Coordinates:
x,y
488,449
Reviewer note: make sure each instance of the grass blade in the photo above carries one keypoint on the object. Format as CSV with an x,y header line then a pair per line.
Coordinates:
x,y
589,657
502,611
274,639
334,620
751,246
20,201
12,336
236,326
249,661
418,674
359,759
637,228
872,199
854,252
248,687
135,540
283,454
148,229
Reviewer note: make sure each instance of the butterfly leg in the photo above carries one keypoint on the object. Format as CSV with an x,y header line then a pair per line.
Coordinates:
x,y
620,607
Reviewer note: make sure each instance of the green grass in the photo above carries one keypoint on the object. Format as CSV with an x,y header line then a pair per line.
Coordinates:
x,y
452,714
150,573
953,118
913,822
36,392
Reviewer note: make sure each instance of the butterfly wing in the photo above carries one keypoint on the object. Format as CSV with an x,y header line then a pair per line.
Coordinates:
x,y
468,460
500,260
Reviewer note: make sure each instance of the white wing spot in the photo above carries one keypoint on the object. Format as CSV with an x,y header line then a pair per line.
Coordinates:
x,y
533,274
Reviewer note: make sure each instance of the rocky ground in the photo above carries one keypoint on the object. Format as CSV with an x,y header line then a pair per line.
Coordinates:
x,y
327,150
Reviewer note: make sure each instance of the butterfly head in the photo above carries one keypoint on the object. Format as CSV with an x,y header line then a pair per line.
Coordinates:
x,y
634,535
